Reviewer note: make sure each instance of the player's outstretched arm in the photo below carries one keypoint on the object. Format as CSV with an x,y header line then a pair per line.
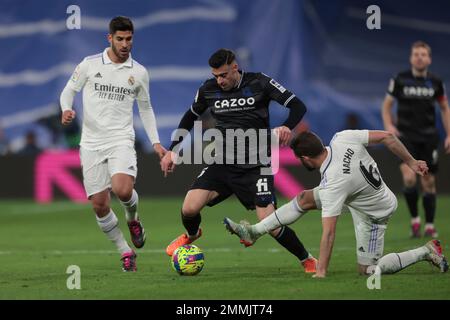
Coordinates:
x,y
66,102
185,125
67,117
168,163
398,148
74,85
149,122
445,116
326,245
160,150
284,135
297,110
386,113
418,166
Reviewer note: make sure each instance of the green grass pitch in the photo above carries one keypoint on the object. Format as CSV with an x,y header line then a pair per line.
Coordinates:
x,y
39,242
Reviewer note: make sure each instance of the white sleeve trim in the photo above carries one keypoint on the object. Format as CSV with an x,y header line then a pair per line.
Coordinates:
x,y
192,110
288,100
148,120
66,98
330,215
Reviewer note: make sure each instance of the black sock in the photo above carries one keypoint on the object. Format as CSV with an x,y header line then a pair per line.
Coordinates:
x,y
429,205
411,197
288,239
191,223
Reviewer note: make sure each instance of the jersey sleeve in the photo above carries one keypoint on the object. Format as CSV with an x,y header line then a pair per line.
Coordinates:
x,y
394,87
143,93
276,91
199,105
440,93
79,76
352,137
332,200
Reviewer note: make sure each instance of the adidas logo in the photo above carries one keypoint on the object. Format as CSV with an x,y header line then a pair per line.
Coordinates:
x,y
361,249
131,168
98,75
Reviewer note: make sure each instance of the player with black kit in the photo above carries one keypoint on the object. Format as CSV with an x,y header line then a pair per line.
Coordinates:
x,y
238,100
416,92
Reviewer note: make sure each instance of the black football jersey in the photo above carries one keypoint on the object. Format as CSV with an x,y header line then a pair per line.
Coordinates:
x,y
416,98
244,107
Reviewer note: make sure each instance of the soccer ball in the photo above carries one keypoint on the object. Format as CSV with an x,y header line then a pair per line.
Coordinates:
x,y
188,260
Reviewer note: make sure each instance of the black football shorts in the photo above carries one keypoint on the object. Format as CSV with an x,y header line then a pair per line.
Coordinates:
x,y
426,151
248,184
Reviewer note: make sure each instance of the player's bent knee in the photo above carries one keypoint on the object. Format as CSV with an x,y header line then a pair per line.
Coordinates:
x,y
428,184
409,183
274,233
190,210
430,189
362,269
100,209
263,203
124,194
409,179
306,200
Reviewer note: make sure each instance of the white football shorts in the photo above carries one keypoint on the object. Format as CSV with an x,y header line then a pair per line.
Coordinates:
x,y
369,237
369,232
100,165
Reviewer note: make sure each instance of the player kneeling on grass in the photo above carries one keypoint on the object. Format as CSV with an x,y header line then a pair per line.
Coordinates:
x,y
350,180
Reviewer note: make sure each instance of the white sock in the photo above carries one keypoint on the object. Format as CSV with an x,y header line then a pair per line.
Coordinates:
x,y
309,256
110,226
429,226
394,262
285,215
131,207
415,220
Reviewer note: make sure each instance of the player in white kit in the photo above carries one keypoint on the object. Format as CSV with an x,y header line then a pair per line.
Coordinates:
x,y
350,182
111,81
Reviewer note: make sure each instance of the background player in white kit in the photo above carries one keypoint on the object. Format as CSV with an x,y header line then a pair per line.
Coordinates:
x,y
350,181
111,81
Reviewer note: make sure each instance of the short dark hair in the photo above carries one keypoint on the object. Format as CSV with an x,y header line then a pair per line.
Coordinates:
x,y
120,23
221,57
421,44
307,144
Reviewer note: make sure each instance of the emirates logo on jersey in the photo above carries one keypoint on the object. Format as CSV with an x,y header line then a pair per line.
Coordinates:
x,y
110,92
131,80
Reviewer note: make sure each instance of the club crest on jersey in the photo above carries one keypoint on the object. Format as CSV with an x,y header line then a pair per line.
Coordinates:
x,y
131,80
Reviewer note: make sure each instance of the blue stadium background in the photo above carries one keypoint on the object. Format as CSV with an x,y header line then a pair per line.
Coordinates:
x,y
321,50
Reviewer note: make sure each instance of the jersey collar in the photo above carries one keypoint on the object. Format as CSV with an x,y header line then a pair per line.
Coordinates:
x,y
107,60
327,160
419,77
240,80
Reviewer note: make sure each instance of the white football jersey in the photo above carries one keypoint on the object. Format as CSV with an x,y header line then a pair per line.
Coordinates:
x,y
350,177
109,91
